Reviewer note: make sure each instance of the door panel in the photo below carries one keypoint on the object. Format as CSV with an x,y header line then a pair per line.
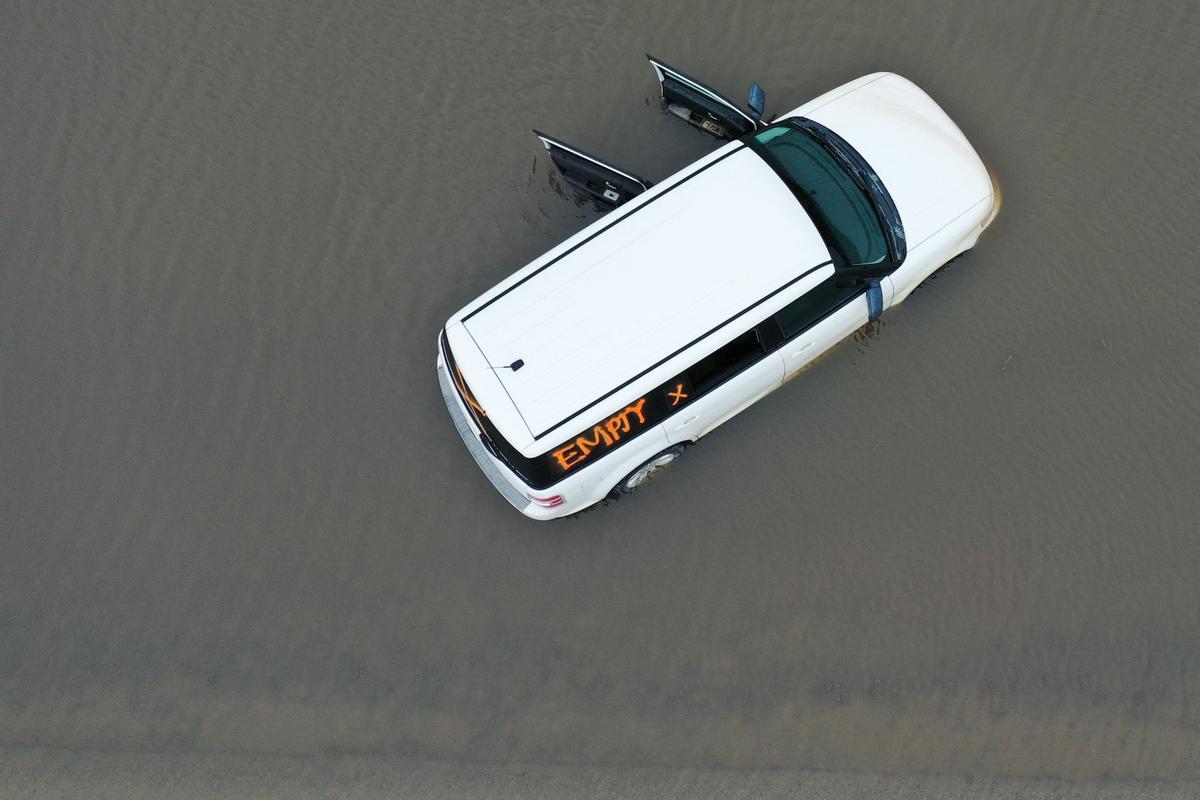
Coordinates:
x,y
592,176
726,400
699,105
801,350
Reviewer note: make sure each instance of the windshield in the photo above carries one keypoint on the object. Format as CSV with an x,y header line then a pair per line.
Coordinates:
x,y
844,211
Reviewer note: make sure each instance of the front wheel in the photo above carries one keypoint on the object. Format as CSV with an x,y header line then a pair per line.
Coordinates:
x,y
648,471
929,278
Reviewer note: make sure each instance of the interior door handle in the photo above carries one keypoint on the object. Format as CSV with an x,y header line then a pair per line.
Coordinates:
x,y
687,422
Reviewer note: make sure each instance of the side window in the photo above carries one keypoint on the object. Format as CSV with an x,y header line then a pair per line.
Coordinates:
x,y
716,367
812,306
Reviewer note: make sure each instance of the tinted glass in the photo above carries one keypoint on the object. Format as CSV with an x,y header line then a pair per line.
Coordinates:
x,y
812,306
714,368
844,208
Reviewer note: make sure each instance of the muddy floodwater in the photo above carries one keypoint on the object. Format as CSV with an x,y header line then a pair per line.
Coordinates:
x,y
236,518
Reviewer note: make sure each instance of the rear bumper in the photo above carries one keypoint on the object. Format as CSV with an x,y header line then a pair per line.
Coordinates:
x,y
471,439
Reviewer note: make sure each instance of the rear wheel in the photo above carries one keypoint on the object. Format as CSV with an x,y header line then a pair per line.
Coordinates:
x,y
648,471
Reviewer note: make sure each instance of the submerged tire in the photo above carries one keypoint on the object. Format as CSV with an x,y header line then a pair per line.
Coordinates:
x,y
929,278
648,470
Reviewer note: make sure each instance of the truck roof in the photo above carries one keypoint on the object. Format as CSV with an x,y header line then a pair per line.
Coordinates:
x,y
636,289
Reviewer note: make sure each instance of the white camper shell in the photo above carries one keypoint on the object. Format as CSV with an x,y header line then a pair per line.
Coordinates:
x,y
590,368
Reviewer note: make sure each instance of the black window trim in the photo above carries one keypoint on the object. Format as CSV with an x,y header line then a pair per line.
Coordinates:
x,y
701,388
780,340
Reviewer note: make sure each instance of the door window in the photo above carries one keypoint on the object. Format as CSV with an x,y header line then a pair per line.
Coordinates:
x,y
725,362
699,105
814,305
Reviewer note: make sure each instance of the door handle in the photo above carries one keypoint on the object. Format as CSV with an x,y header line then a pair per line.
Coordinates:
x,y
803,347
687,422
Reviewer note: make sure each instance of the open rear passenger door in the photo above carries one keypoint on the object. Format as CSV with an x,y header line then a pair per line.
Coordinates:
x,y
599,180
701,106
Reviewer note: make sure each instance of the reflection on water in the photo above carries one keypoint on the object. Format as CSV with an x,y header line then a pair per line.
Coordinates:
x,y
869,332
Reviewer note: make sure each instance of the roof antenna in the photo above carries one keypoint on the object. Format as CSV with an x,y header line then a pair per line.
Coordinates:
x,y
516,365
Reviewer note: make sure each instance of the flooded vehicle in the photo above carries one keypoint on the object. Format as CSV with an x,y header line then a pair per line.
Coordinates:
x,y
592,368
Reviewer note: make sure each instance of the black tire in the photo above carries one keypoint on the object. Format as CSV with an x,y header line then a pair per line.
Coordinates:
x,y
647,470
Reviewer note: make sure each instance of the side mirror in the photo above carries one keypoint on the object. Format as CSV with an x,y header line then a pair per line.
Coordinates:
x,y
874,299
757,101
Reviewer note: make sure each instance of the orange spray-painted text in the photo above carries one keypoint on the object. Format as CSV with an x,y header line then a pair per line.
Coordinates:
x,y
606,434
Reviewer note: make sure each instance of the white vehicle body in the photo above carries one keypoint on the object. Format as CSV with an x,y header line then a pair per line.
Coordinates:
x,y
633,308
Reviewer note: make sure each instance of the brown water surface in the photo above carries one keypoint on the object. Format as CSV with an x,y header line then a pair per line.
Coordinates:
x,y
236,517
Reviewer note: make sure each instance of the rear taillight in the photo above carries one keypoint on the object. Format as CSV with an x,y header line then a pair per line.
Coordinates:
x,y
553,501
